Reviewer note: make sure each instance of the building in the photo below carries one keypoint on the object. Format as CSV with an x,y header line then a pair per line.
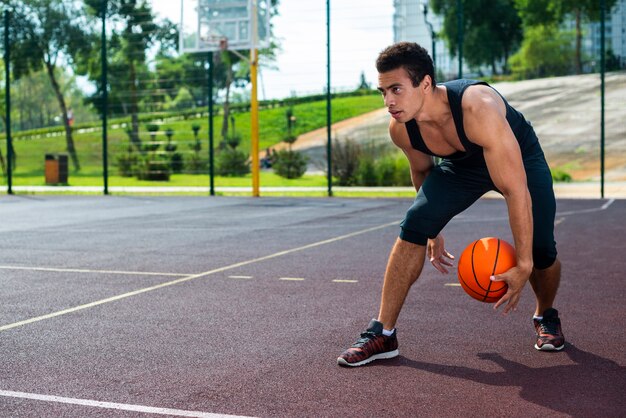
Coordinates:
x,y
614,33
410,23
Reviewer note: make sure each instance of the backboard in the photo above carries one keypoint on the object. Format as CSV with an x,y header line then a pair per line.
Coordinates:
x,y
207,24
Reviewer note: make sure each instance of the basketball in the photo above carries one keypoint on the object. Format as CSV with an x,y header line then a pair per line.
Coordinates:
x,y
479,261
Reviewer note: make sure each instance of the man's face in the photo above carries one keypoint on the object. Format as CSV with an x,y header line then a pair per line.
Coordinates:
x,y
402,100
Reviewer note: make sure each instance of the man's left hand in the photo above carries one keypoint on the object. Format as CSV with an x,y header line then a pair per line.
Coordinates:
x,y
516,279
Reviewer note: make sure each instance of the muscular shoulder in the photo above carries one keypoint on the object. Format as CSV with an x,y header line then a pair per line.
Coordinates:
x,y
480,100
484,115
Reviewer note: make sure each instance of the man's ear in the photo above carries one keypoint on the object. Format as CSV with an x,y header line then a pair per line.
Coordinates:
x,y
427,83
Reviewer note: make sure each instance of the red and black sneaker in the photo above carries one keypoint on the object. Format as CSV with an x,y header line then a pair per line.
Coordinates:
x,y
548,329
372,345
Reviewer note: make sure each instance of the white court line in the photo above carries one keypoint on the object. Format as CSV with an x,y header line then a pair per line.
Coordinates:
x,y
292,279
192,277
605,206
452,284
239,277
60,270
112,405
345,281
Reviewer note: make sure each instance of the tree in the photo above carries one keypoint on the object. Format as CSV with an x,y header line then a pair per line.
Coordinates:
x,y
49,33
553,12
133,32
492,30
546,51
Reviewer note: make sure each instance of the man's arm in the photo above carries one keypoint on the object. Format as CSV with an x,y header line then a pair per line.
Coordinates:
x,y
419,163
486,125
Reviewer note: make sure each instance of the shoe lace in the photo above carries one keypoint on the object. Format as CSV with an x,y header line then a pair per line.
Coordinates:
x,y
365,338
549,327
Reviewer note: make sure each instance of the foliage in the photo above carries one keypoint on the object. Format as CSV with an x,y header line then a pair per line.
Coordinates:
x,y
177,162
196,164
345,160
152,167
366,172
491,30
134,33
49,33
126,163
369,165
546,51
549,13
561,175
232,162
289,164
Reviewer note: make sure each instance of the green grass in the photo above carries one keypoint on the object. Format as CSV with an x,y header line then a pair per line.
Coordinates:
x,y
31,151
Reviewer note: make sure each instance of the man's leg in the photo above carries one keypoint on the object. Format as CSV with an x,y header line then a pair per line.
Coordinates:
x,y
546,275
403,268
447,191
545,284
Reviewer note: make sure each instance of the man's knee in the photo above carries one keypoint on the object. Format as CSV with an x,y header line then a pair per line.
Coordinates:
x,y
544,257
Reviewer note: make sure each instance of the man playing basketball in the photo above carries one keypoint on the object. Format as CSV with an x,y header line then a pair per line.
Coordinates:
x,y
485,145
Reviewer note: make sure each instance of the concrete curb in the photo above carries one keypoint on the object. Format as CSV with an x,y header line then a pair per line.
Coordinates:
x,y
586,190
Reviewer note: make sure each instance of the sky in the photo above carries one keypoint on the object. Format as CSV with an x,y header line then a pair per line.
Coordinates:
x,y
360,29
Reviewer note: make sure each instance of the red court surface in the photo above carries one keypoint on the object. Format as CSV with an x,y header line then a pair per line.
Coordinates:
x,y
195,306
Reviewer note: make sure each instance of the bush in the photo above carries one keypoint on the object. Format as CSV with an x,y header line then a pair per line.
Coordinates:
x,y
561,176
176,162
232,162
152,167
345,161
366,173
289,164
386,171
197,165
126,164
402,175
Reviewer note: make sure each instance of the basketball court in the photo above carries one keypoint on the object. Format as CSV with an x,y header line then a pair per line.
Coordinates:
x,y
195,306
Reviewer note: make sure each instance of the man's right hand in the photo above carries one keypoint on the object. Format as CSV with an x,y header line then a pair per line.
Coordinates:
x,y
438,255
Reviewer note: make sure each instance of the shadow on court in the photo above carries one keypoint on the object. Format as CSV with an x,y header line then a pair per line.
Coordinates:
x,y
592,386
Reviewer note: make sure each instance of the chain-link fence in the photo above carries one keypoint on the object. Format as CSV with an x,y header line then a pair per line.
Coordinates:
x,y
59,53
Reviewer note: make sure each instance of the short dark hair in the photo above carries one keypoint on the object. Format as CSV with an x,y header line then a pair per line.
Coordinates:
x,y
410,56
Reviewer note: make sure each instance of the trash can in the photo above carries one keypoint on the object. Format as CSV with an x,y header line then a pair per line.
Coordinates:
x,y
56,169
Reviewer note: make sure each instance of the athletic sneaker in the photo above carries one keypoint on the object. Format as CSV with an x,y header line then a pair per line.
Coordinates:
x,y
372,345
549,334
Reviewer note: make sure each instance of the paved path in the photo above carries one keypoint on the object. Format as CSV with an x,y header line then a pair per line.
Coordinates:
x,y
565,112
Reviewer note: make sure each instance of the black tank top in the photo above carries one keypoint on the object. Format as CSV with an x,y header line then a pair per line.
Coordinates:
x,y
473,154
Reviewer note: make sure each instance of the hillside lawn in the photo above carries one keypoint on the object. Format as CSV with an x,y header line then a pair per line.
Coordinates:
x,y
31,151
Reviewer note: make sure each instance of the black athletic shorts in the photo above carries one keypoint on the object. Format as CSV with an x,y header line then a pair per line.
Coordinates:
x,y
450,188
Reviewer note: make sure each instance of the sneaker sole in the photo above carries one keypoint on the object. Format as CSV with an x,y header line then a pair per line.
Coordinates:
x,y
549,347
389,354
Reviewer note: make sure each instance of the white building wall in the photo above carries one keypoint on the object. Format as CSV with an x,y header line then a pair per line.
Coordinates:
x,y
618,35
410,25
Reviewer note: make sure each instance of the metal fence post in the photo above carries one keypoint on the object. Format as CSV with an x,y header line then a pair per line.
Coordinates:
x,y
7,96
105,100
328,104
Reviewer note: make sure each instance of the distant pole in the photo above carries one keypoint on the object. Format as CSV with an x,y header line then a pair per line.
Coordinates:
x,y
328,104
7,95
433,35
254,104
459,5
254,123
105,100
602,54
210,98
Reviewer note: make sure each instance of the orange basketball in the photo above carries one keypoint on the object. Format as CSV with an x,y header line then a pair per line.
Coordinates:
x,y
479,261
